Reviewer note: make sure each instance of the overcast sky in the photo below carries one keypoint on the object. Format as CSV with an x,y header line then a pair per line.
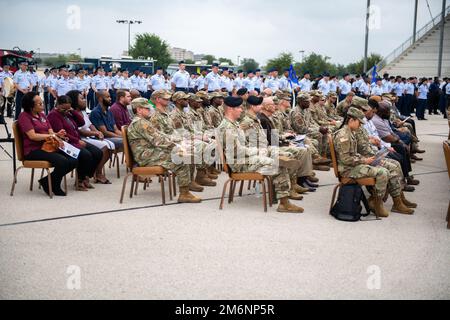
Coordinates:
x,y
225,28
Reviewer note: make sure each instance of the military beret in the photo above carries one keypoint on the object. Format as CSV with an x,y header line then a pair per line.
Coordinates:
x,y
255,101
159,68
140,103
250,71
179,96
240,71
233,102
224,69
258,70
242,91
357,114
163,94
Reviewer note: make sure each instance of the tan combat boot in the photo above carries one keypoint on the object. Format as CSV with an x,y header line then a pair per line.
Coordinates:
x,y
297,188
187,197
203,180
214,171
407,203
194,186
286,206
321,167
294,195
379,207
400,207
371,202
212,176
313,179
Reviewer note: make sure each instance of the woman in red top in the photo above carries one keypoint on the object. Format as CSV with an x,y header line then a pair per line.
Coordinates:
x,y
35,129
63,117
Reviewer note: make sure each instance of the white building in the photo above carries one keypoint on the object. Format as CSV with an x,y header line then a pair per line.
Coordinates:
x,y
181,54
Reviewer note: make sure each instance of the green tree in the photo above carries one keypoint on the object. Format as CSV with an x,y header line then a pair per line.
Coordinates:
x,y
210,58
226,60
150,45
358,67
249,64
55,61
316,64
189,61
283,61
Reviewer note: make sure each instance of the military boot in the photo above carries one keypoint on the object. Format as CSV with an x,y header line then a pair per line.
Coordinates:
x,y
407,203
371,202
400,207
294,195
214,171
313,179
194,186
321,167
203,180
187,197
286,206
379,207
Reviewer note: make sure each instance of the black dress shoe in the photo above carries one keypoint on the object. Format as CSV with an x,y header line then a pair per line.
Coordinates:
x,y
409,189
414,157
59,193
310,184
412,182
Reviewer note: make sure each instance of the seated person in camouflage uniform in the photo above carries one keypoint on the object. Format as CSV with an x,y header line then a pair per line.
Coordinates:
x,y
319,114
151,147
316,136
182,122
343,105
214,112
261,137
352,164
241,158
330,106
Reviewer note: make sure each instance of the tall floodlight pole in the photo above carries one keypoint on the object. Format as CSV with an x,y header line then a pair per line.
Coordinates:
x,y
415,21
367,36
129,22
441,42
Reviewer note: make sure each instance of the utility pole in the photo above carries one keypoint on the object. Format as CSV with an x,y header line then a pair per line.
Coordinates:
x,y
366,49
415,21
441,41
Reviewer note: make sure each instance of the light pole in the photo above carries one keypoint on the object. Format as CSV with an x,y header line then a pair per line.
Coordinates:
x,y
302,52
366,49
129,22
239,57
79,52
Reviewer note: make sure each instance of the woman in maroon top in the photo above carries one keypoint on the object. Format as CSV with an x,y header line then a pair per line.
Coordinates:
x,y
35,129
62,117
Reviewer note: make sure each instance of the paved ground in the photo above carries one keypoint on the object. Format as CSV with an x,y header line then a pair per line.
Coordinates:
x,y
140,250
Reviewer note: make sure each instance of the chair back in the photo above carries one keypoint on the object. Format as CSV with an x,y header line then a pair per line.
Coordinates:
x,y
126,148
333,156
222,160
447,155
18,140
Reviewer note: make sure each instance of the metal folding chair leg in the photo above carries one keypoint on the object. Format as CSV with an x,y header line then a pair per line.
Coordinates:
x,y
32,179
264,194
13,187
223,193
163,190
50,187
124,186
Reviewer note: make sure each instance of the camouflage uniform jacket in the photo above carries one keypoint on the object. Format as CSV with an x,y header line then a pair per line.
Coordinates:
x,y
342,107
364,146
302,122
331,111
162,122
181,120
149,146
346,147
254,132
215,115
319,115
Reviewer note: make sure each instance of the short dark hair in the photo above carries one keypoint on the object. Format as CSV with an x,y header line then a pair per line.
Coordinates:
x,y
63,100
73,95
120,94
28,101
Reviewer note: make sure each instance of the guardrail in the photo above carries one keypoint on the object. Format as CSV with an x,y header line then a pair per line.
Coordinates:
x,y
409,43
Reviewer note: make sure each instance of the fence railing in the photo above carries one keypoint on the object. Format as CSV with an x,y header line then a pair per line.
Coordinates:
x,y
408,43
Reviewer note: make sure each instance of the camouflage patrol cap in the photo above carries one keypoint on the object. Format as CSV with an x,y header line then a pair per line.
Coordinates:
x,y
357,114
388,96
283,96
140,103
164,94
276,100
202,95
303,96
316,94
332,94
194,97
224,94
179,95
215,95
361,103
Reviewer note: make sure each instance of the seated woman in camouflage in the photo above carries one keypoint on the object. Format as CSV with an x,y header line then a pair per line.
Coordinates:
x,y
353,165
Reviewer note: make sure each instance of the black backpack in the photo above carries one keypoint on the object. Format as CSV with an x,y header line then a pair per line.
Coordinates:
x,y
348,205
